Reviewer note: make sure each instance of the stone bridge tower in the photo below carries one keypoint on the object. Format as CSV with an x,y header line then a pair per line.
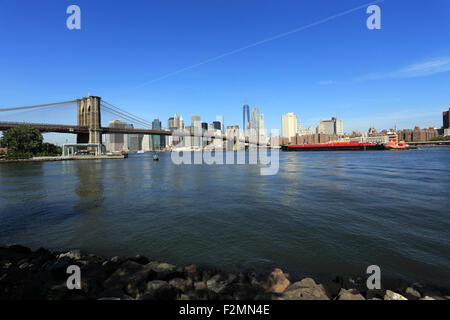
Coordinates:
x,y
88,115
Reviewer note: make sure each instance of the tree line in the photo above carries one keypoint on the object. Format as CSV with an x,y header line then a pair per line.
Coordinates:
x,y
24,142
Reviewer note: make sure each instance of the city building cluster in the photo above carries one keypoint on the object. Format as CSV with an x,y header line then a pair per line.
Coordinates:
x,y
292,132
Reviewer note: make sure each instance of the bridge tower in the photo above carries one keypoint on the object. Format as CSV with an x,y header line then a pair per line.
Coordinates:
x,y
88,115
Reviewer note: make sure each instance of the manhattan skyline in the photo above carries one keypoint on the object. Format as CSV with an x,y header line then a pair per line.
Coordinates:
x,y
396,76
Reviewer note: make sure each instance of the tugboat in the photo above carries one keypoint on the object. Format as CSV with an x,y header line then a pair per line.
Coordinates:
x,y
394,144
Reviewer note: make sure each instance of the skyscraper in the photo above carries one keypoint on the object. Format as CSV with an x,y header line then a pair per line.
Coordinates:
x,y
333,127
262,131
176,121
181,123
255,121
171,124
156,125
196,120
288,125
117,140
446,119
246,121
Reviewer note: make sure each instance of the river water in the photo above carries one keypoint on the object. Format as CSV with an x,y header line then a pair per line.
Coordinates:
x,y
323,213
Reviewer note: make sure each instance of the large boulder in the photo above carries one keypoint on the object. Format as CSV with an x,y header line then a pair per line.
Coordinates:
x,y
350,294
276,282
183,285
122,275
306,289
391,295
164,271
216,283
158,290
412,294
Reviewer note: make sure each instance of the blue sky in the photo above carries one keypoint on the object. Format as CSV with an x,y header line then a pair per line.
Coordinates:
x,y
155,58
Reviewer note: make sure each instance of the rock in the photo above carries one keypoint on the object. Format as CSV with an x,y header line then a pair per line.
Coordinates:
x,y
140,259
111,294
122,275
158,290
190,271
435,295
200,285
73,254
215,284
58,268
164,271
427,298
390,295
181,284
276,282
374,294
411,293
332,288
243,291
351,294
306,289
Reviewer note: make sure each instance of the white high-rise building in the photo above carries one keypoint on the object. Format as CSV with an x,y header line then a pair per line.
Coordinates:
x,y
262,131
288,125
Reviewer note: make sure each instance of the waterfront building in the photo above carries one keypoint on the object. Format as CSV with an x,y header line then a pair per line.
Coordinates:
x,y
288,125
446,119
331,127
147,143
156,125
417,135
117,141
304,131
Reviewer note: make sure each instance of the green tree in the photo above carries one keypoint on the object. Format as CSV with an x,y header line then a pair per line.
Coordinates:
x,y
49,149
22,141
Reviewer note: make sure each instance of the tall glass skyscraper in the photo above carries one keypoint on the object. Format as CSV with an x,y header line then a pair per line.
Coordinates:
x,y
246,121
156,125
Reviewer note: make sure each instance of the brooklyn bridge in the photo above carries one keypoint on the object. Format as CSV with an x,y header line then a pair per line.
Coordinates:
x,y
89,129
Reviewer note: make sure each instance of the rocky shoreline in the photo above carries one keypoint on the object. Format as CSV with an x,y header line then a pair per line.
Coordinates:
x,y
42,275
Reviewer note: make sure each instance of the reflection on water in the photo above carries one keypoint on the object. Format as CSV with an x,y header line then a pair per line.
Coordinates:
x,y
324,212
89,187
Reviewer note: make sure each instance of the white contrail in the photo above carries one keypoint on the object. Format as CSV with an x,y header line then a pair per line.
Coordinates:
x,y
281,35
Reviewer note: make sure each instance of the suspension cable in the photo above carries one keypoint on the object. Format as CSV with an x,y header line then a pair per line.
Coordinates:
x,y
37,106
126,112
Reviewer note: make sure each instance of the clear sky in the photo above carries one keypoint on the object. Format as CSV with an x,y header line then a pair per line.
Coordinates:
x,y
208,57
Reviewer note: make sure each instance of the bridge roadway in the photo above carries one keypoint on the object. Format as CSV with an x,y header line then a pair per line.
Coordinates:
x,y
61,128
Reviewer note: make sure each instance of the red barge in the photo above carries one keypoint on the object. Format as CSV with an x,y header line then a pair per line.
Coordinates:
x,y
336,146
